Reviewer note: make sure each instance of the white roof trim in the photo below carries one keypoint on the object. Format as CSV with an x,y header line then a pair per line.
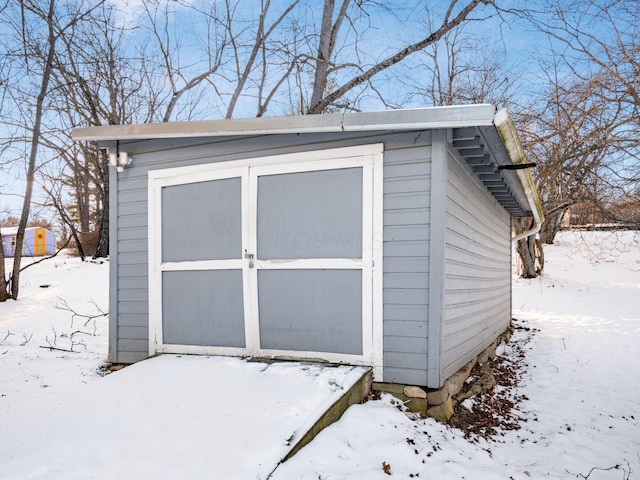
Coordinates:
x,y
505,126
409,119
480,115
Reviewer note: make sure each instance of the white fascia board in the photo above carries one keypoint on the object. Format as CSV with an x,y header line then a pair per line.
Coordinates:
x,y
421,118
507,130
408,119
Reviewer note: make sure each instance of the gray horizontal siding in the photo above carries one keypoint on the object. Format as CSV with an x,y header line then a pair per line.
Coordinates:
x,y
133,233
132,221
406,264
406,233
407,185
415,183
406,249
132,351
477,268
405,375
133,282
133,270
131,357
406,280
406,177
132,345
402,201
133,309
405,296
133,294
406,313
134,333
132,342
133,258
133,245
408,328
406,216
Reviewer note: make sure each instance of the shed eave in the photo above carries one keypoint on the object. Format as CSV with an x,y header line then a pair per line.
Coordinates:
x,y
507,130
407,119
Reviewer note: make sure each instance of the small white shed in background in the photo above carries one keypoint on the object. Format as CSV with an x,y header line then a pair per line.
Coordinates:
x,y
38,241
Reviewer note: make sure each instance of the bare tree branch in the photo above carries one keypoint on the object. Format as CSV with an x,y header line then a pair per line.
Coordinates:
x,y
445,27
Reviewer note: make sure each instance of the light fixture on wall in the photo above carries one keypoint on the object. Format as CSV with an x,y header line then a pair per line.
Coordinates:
x,y
117,158
123,161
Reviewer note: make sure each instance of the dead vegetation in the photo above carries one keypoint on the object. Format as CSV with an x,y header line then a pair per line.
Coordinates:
x,y
488,405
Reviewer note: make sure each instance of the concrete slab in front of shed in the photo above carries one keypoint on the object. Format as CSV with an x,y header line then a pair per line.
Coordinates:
x,y
178,417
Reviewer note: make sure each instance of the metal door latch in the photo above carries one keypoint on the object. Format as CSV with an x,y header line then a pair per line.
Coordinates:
x,y
250,257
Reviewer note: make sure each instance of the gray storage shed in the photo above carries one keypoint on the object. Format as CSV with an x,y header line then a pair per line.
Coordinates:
x,y
380,239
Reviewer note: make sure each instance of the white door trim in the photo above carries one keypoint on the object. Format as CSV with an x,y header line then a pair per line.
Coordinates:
x,y
368,157
156,182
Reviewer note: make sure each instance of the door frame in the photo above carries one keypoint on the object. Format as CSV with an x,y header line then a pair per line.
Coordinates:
x,y
369,157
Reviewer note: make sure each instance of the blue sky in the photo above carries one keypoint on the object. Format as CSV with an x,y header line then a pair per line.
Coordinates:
x,y
516,46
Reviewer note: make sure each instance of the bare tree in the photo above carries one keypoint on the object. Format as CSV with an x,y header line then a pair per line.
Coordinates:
x,y
37,57
582,131
262,34
462,68
570,138
4,288
266,58
100,77
612,49
49,49
314,57
180,79
322,98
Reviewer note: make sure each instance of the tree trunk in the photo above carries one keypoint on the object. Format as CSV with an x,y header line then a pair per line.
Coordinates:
x,y
551,226
529,250
33,154
83,198
324,54
102,248
4,292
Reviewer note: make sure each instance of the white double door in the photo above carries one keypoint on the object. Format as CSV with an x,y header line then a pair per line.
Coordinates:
x,y
273,256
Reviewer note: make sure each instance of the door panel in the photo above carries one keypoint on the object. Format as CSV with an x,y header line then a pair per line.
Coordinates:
x,y
311,310
203,308
201,261
310,214
202,221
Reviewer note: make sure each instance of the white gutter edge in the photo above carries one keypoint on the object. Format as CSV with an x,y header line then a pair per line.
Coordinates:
x,y
407,119
507,130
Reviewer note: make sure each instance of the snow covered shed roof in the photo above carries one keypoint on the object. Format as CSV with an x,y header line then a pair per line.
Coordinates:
x,y
486,139
5,231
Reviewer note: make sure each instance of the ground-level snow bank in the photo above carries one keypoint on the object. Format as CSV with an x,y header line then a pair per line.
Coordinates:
x,y
43,348
582,382
172,417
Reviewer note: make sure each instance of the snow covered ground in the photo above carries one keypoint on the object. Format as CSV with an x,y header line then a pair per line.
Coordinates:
x,y
580,418
174,416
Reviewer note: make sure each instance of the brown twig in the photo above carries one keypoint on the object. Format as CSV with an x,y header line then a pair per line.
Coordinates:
x,y
57,349
65,306
6,336
615,467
